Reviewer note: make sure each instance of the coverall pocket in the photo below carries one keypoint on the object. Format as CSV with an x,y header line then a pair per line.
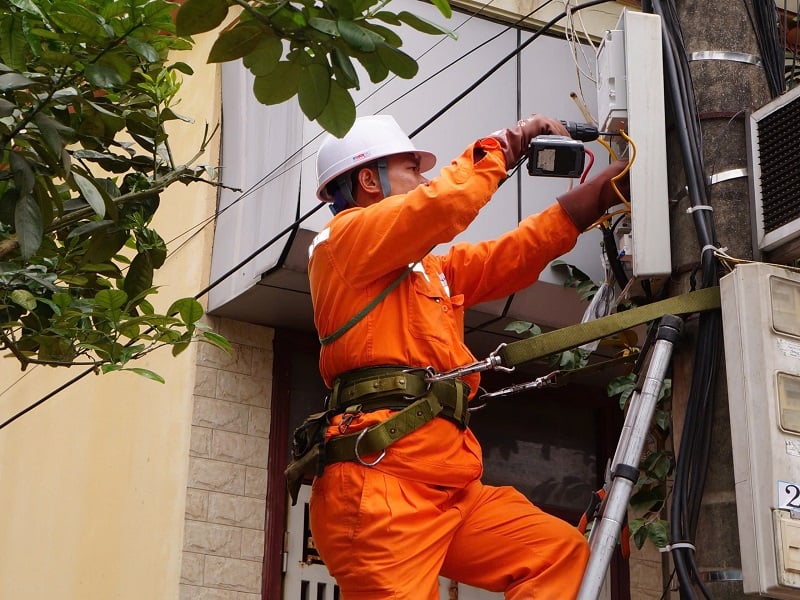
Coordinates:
x,y
434,317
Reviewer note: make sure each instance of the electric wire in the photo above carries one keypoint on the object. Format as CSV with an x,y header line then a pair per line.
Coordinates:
x,y
692,460
291,227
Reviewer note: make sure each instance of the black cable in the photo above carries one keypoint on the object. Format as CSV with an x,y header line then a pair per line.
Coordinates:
x,y
764,20
692,459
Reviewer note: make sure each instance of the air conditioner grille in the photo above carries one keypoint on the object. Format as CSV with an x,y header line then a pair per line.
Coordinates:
x,y
779,160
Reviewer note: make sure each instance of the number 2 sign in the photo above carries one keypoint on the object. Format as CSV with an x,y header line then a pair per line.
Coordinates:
x,y
788,495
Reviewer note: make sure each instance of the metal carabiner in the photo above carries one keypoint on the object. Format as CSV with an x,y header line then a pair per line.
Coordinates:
x,y
358,456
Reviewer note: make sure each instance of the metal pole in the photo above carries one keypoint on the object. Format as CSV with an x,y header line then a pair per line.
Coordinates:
x,y
625,466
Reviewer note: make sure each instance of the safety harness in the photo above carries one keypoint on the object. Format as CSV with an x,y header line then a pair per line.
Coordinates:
x,y
420,395
404,389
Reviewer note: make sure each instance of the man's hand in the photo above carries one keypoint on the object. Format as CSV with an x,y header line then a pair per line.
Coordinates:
x,y
541,125
587,202
515,141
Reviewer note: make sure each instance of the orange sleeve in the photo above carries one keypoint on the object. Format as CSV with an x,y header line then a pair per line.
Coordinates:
x,y
497,268
399,230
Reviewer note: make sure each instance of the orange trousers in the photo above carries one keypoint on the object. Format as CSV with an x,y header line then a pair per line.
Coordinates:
x,y
385,538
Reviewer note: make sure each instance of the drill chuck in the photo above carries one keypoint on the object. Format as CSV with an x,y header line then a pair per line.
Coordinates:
x,y
581,131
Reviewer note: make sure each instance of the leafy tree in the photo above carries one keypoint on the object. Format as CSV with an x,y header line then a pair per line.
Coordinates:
x,y
307,48
85,93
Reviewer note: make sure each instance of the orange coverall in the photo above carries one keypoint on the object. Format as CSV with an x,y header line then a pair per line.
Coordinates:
x,y
388,531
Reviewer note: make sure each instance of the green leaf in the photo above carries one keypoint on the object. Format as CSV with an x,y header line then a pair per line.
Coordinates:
x,y
400,63
236,43
55,135
197,16
278,85
80,23
110,299
90,193
140,274
423,25
6,108
24,176
217,340
189,309
359,38
265,56
444,7
314,90
388,17
374,66
182,67
339,114
28,224
23,298
146,373
28,6
658,533
14,81
90,227
325,26
179,347
104,75
12,41
344,69
143,49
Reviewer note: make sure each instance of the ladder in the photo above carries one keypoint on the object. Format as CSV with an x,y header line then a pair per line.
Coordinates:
x,y
624,470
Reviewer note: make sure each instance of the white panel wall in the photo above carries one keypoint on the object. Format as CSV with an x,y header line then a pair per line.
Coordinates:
x,y
257,139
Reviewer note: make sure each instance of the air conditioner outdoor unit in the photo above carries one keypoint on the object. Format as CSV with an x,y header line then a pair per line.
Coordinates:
x,y
774,143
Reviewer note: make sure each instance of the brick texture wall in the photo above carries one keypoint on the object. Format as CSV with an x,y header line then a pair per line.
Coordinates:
x,y
223,547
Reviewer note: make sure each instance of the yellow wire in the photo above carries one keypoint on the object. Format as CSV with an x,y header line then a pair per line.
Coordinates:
x,y
607,147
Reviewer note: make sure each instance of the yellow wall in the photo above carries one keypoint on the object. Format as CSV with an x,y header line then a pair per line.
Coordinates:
x,y
93,481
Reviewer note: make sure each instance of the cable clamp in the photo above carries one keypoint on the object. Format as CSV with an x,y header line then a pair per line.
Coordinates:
x,y
708,247
678,546
728,55
691,209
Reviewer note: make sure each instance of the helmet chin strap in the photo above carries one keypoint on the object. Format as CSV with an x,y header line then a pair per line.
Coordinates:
x,y
343,197
383,175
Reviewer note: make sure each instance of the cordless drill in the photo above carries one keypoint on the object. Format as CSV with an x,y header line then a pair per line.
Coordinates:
x,y
560,156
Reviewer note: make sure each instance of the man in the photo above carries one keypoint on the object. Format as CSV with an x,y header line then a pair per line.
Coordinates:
x,y
400,500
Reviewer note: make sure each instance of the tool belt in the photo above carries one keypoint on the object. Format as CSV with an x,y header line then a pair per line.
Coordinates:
x,y
402,389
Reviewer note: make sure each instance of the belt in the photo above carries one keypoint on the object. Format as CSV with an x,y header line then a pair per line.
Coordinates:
x,y
398,388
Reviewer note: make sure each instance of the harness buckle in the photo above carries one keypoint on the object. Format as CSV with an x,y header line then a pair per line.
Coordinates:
x,y
358,456
350,413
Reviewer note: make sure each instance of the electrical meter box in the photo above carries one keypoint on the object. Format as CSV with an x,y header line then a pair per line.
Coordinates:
x,y
630,98
761,326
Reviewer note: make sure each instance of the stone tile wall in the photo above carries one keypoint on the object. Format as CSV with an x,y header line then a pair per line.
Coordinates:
x,y
223,547
646,570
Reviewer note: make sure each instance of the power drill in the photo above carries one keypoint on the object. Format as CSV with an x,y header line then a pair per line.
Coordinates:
x,y
560,156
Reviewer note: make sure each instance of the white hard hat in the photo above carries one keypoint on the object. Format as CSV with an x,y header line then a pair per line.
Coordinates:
x,y
369,139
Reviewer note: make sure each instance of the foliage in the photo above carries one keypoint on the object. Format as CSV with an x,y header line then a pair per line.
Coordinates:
x,y
85,93
307,48
650,491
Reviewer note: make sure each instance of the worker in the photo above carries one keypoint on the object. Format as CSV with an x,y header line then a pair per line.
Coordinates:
x,y
398,499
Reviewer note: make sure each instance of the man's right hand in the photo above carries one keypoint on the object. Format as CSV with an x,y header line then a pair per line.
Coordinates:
x,y
515,141
587,202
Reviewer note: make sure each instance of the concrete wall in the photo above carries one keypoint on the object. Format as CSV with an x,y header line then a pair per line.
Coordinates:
x,y
93,481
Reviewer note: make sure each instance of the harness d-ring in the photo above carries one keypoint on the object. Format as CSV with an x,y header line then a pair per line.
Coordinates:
x,y
358,456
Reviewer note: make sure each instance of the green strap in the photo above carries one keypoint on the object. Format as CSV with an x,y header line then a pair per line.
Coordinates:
x,y
364,311
558,340
384,434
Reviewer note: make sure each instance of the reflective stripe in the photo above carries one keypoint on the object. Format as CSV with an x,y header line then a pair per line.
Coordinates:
x,y
318,239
